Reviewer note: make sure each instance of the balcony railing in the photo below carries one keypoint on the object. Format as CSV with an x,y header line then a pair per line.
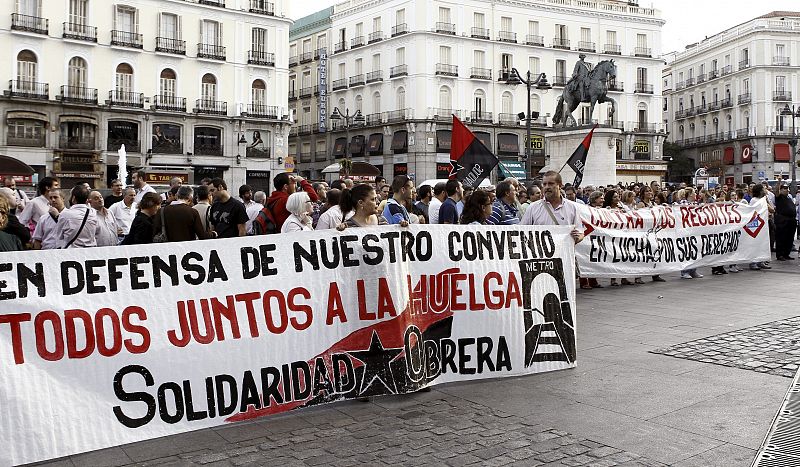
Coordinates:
x,y
374,119
80,32
480,117
169,103
533,39
339,84
375,76
398,115
443,69
614,85
356,42
782,95
642,127
744,64
401,28
78,95
306,57
714,106
77,142
560,43
614,49
170,45
305,92
443,115
262,111
559,80
29,141
584,46
292,94
480,73
689,82
357,80
745,98
781,61
28,89
210,107
219,3
376,36
502,75
479,33
399,70
214,52
257,57
339,47
701,78
727,102
262,7
680,85
319,51
679,114
507,36
29,23
294,60
508,119
445,28
126,39
726,70
642,52
713,74
304,129
701,109
644,88
126,99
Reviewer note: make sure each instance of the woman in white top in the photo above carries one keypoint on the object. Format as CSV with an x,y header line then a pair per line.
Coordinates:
x,y
300,208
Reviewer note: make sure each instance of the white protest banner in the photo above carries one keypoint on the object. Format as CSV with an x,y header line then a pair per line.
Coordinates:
x,y
667,239
105,346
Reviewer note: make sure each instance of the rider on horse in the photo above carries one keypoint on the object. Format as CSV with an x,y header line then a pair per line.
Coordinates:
x,y
580,75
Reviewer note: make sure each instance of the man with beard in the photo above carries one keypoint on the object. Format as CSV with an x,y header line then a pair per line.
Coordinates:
x,y
553,209
785,224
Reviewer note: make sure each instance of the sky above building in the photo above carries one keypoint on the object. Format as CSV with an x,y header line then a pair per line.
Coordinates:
x,y
688,21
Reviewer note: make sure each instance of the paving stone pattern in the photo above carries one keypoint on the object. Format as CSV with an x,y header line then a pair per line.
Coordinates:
x,y
770,348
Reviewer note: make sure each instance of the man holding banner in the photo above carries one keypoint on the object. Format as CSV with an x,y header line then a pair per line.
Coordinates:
x,y
553,209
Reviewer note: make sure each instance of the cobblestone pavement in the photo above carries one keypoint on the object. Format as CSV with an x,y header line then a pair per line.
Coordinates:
x,y
768,348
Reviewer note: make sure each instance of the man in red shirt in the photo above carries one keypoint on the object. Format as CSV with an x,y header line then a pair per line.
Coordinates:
x,y
285,185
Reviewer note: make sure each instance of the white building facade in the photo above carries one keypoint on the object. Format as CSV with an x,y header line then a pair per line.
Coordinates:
x,y
191,88
408,65
723,98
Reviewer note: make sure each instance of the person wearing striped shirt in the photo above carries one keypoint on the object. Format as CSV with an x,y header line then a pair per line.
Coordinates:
x,y
504,211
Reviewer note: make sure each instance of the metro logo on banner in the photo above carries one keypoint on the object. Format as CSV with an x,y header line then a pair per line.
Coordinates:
x,y
106,346
471,161
755,225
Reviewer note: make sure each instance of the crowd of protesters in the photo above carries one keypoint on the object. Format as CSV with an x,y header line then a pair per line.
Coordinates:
x,y
81,218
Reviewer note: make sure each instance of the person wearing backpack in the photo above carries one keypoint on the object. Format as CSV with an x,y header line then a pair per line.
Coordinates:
x,y
285,185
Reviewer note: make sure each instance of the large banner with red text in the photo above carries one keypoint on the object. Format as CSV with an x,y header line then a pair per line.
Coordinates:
x,y
671,238
106,346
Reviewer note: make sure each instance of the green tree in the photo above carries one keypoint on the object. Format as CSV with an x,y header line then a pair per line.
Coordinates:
x,y
680,167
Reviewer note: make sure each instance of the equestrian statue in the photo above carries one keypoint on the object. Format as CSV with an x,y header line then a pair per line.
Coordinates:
x,y
589,87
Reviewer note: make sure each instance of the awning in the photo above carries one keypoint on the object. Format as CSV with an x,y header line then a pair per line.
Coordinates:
x,y
24,115
338,147
514,169
357,145
485,138
507,143
783,153
400,142
443,140
548,168
375,143
12,166
77,119
728,157
359,169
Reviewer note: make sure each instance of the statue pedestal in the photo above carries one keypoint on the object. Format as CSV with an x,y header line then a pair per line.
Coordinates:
x,y
601,168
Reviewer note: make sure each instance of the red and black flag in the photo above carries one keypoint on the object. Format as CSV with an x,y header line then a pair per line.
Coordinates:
x,y
470,160
577,161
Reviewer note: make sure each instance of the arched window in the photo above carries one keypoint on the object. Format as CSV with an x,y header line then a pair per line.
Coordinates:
x,y
480,101
258,93
208,89
705,128
691,130
445,102
167,82
359,103
536,103
376,103
401,98
505,103
681,132
642,114
26,69
716,125
746,118
76,73
124,81
729,125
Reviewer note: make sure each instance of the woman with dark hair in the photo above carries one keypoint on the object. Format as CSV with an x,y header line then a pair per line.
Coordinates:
x,y
363,202
142,226
477,208
611,201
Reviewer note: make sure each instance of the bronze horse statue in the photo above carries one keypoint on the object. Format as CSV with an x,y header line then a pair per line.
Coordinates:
x,y
596,92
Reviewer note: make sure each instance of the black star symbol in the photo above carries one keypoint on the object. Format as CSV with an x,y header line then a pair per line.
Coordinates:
x,y
377,362
455,168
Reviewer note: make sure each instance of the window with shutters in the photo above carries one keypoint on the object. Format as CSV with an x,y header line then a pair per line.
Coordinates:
x,y
400,17
306,80
479,58
641,41
611,37
359,103
376,103
126,19
536,103
561,32
561,70
359,66
444,15
210,33
342,71
506,62
641,75
586,35
170,26
746,86
78,10
506,103
445,101
208,88
444,55
307,46
29,7
27,65
359,29
400,56
258,93
780,50
780,84
376,62
376,24
478,20
259,37
123,80
533,65
533,28
506,24
76,73
480,99
401,98
166,83
322,41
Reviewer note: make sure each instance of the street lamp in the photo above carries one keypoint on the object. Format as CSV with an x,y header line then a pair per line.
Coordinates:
x,y
356,119
540,82
794,113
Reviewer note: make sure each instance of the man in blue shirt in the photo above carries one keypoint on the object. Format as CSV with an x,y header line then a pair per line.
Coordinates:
x,y
448,213
504,211
395,211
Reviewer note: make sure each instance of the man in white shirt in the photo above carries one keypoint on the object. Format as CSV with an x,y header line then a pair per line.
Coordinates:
x,y
438,198
124,211
553,209
39,206
71,229
107,233
253,209
44,237
141,186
